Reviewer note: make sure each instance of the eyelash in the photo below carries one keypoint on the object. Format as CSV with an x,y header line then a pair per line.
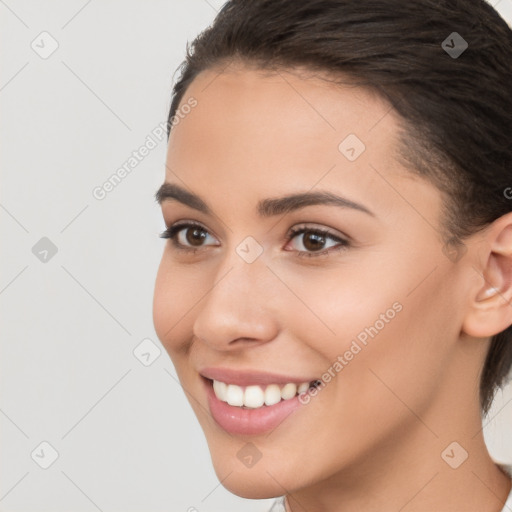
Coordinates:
x,y
172,231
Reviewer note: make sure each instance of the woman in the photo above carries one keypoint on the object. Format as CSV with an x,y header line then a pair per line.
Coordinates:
x,y
335,293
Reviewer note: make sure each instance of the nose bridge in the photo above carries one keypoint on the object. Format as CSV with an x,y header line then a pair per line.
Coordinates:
x,y
242,273
238,303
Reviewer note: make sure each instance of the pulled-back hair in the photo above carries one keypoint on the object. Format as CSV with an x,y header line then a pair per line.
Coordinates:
x,y
455,110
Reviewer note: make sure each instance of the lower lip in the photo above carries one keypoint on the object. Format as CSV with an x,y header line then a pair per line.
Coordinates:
x,y
236,420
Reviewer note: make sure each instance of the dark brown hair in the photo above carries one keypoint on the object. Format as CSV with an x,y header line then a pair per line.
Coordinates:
x,y
455,110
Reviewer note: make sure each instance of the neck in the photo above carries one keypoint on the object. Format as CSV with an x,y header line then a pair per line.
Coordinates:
x,y
415,471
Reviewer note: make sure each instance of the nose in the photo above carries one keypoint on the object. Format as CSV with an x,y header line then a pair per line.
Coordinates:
x,y
239,310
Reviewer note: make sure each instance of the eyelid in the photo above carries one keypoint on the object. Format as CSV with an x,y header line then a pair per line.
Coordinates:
x,y
172,230
298,228
343,241
187,223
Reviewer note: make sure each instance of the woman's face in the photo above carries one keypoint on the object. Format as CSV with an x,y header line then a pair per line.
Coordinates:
x,y
377,321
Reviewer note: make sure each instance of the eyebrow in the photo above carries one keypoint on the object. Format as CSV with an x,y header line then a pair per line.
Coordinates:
x,y
266,207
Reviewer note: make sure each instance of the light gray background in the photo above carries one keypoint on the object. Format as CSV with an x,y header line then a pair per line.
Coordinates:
x,y
126,437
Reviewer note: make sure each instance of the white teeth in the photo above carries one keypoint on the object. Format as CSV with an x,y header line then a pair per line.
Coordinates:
x,y
220,389
272,394
289,391
235,395
303,387
256,396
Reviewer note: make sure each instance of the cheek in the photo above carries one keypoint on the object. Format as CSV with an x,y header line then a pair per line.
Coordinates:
x,y
335,306
397,346
173,300
392,330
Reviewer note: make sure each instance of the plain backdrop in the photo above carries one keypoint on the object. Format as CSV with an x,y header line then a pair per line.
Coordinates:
x,y
86,387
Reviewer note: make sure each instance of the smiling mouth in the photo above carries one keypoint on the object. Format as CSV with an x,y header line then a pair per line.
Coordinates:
x,y
258,396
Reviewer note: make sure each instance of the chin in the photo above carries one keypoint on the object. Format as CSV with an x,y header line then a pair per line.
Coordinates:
x,y
267,478
245,484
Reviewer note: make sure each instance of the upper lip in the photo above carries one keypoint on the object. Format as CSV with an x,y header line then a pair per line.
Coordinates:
x,y
250,377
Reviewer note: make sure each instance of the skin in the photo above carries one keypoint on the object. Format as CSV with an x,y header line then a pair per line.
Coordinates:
x,y
372,438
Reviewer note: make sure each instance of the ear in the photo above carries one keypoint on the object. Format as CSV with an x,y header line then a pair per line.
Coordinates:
x,y
490,306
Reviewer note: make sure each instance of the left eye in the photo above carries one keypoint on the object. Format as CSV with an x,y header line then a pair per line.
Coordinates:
x,y
190,237
314,240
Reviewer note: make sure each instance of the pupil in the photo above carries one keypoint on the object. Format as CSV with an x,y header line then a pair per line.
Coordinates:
x,y
195,239
318,241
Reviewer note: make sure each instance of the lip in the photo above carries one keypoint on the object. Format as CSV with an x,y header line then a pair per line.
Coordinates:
x,y
248,422
250,377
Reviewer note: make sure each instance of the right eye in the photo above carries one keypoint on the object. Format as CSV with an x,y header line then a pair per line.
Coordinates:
x,y
184,233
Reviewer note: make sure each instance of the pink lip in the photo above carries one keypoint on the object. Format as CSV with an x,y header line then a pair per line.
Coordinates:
x,y
237,420
249,378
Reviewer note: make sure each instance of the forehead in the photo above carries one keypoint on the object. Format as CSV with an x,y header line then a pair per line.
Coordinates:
x,y
300,100
262,133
